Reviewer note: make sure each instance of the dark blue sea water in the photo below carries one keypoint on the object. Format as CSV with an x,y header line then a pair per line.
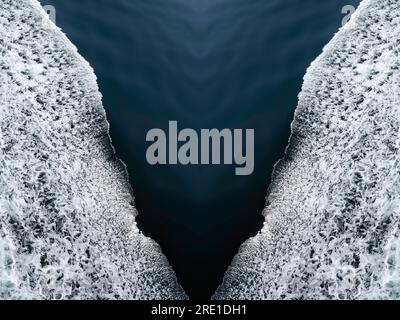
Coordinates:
x,y
205,63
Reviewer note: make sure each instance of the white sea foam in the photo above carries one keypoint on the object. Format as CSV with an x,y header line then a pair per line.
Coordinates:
x,y
332,217
67,218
